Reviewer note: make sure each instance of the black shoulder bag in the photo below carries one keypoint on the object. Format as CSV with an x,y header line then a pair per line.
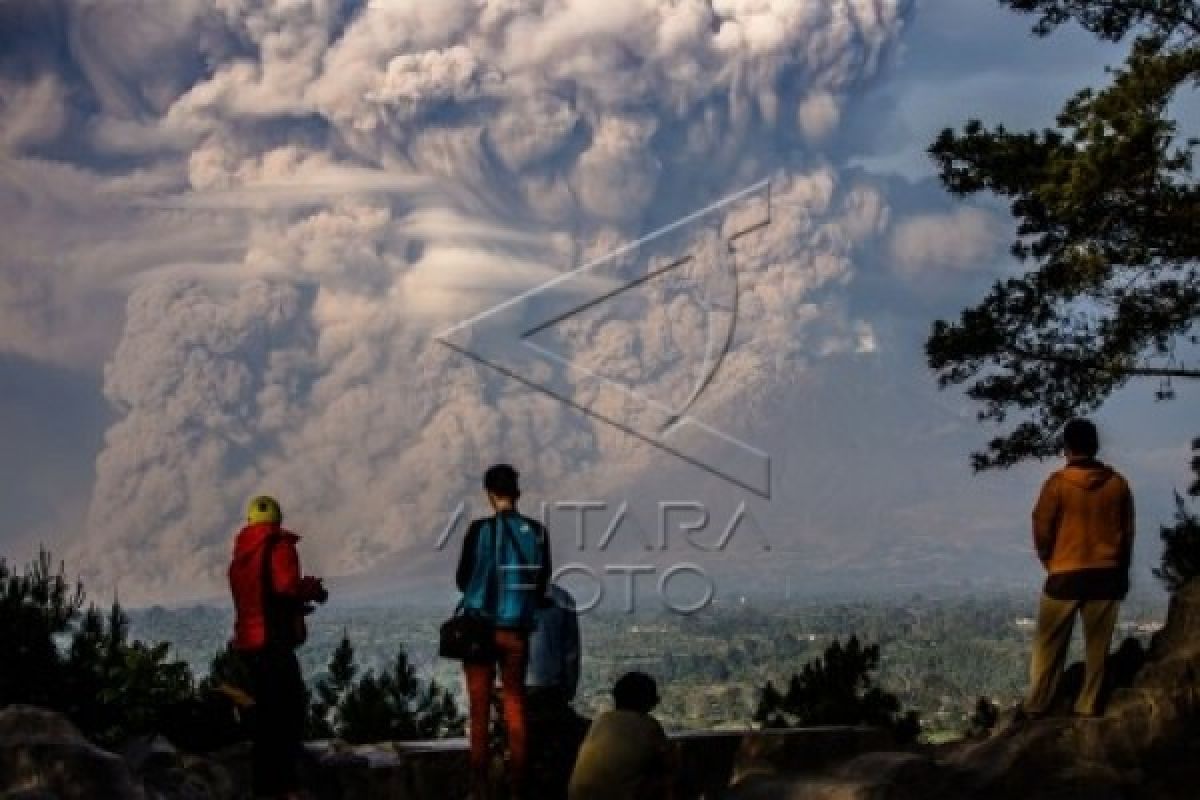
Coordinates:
x,y
471,638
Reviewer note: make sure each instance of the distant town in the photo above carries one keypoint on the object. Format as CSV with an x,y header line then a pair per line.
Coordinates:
x,y
939,655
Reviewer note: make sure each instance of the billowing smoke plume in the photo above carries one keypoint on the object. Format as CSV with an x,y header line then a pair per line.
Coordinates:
x,y
295,197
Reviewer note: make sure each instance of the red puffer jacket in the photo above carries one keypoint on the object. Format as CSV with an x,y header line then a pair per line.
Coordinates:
x,y
246,581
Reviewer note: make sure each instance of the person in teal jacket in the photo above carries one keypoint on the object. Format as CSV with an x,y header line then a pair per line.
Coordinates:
x,y
503,573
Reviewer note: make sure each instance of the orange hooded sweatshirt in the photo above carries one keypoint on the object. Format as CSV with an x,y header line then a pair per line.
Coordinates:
x,y
1084,519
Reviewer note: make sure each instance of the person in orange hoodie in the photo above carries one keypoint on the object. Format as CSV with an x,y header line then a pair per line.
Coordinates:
x,y
1083,529
271,599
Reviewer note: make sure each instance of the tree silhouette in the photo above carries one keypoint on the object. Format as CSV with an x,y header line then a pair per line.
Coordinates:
x,y
1106,207
117,688
391,705
984,718
837,689
83,664
394,705
1181,540
330,689
37,607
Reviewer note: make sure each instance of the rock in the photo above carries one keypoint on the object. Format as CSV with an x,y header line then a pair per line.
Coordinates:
x,y
1152,716
1180,635
896,776
766,787
44,757
791,752
888,768
147,752
26,723
1121,669
42,754
1174,658
187,777
1146,746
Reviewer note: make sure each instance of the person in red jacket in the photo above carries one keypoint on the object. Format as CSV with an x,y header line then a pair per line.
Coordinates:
x,y
271,598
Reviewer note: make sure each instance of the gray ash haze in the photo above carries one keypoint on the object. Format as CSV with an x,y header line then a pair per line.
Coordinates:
x,y
233,228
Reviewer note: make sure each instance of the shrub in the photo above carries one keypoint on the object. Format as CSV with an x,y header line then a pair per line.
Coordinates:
x,y
1181,540
37,609
1181,548
329,691
391,705
82,664
984,718
837,689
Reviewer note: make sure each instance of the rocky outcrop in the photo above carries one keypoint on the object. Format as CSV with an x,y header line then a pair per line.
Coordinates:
x,y
893,775
44,757
1146,746
708,761
763,755
1174,659
1152,718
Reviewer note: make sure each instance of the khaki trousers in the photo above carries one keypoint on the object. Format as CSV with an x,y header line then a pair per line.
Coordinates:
x,y
1056,619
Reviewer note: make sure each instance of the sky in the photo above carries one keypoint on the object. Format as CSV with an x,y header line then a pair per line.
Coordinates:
x,y
234,230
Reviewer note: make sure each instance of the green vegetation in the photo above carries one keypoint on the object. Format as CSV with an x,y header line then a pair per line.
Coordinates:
x,y
85,664
938,655
1181,548
837,689
1106,205
390,706
986,715
1181,540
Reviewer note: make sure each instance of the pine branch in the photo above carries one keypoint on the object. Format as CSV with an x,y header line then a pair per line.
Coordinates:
x,y
1096,365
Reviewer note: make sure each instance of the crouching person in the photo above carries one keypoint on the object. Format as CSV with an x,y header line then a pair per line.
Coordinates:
x,y
271,599
626,754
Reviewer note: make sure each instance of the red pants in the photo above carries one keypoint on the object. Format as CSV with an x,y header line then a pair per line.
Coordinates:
x,y
512,654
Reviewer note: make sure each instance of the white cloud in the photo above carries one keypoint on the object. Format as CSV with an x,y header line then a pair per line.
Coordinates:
x,y
818,115
967,239
30,112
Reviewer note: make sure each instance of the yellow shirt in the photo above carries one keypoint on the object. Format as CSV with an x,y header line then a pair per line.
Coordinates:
x,y
624,756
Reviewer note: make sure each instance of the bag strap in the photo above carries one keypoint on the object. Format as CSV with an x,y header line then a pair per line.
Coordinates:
x,y
491,599
500,528
497,586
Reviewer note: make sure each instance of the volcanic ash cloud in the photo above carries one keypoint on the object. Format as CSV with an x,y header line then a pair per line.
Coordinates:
x,y
300,195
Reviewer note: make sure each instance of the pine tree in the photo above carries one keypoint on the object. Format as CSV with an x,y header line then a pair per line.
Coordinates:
x,y
393,705
1181,540
330,689
1106,205
83,664
837,689
37,607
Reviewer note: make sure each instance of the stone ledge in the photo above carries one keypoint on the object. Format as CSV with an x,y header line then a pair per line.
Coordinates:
x,y
710,762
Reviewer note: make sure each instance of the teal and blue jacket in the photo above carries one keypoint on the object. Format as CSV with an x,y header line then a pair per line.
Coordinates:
x,y
504,569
